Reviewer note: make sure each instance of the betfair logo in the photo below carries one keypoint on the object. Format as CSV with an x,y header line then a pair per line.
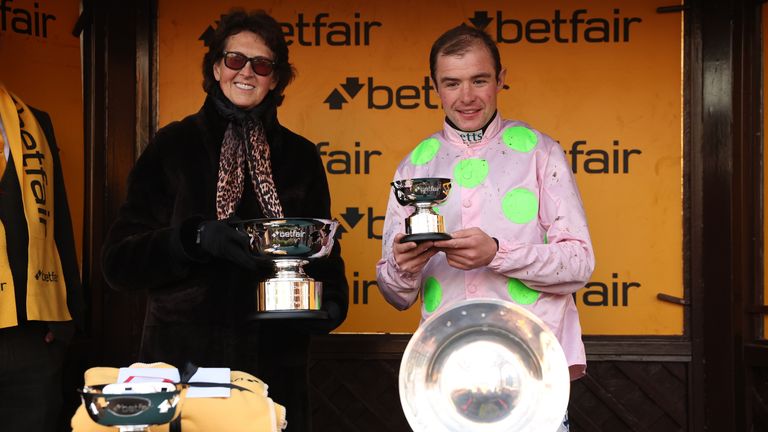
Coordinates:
x,y
319,30
586,158
615,293
339,161
46,276
360,288
381,96
24,21
563,27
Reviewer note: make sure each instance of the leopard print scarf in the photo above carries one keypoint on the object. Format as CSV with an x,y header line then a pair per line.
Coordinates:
x,y
244,143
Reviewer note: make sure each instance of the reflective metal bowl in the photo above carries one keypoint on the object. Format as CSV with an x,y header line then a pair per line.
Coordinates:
x,y
289,243
290,237
421,190
133,406
484,365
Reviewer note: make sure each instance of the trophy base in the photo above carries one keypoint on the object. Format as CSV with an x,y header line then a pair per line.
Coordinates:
x,y
425,237
292,293
289,315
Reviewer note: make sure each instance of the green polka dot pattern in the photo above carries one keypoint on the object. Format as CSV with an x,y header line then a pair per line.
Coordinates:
x,y
425,151
433,294
520,205
519,138
470,172
520,293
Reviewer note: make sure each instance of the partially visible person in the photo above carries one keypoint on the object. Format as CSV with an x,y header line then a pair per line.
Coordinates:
x,y
231,160
41,301
519,232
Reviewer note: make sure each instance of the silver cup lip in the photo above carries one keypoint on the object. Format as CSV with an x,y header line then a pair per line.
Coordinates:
x,y
421,190
138,408
289,237
484,364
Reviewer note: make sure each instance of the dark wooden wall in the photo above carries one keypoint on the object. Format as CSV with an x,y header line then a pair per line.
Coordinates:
x,y
715,378
628,388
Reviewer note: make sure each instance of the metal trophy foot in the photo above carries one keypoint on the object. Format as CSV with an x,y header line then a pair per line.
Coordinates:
x,y
418,238
289,289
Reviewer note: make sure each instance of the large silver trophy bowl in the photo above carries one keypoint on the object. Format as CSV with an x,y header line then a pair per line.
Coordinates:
x,y
133,407
289,243
485,366
423,194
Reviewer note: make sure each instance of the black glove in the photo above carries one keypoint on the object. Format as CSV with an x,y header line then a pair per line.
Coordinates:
x,y
220,239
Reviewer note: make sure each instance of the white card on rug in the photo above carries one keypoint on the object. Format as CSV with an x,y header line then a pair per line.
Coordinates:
x,y
209,375
132,374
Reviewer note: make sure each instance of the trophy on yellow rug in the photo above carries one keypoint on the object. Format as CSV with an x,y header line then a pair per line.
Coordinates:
x,y
133,407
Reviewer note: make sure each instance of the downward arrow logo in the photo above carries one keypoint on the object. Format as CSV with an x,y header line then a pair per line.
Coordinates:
x,y
336,100
481,20
352,216
352,86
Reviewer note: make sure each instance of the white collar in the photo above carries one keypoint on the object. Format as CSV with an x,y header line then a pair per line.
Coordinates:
x,y
454,136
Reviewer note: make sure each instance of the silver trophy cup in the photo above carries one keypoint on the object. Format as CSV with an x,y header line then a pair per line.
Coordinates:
x,y
423,194
133,407
290,243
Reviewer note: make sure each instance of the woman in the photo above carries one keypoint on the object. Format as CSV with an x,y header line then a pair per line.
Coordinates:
x,y
232,159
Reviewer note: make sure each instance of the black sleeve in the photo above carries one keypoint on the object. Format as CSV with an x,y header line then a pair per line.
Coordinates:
x,y
329,270
143,249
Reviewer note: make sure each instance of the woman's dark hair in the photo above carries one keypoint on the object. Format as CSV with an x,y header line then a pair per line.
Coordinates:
x,y
260,23
459,40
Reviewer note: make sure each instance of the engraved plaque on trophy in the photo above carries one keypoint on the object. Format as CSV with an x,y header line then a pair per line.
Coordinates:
x,y
423,194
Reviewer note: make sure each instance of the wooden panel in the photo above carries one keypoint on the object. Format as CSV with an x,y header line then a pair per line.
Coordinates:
x,y
758,398
631,396
354,385
352,395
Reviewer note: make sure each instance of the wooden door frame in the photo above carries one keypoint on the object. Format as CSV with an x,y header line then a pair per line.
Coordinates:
x,y
724,239
120,118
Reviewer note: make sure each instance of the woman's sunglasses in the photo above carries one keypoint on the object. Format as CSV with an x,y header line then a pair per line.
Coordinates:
x,y
260,65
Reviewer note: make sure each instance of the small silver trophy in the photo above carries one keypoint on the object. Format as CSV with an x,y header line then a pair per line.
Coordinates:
x,y
290,243
423,193
133,407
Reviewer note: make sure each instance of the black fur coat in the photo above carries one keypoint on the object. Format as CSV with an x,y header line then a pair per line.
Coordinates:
x,y
197,309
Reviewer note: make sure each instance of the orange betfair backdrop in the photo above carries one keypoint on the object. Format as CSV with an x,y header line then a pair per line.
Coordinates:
x,y
603,77
41,64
